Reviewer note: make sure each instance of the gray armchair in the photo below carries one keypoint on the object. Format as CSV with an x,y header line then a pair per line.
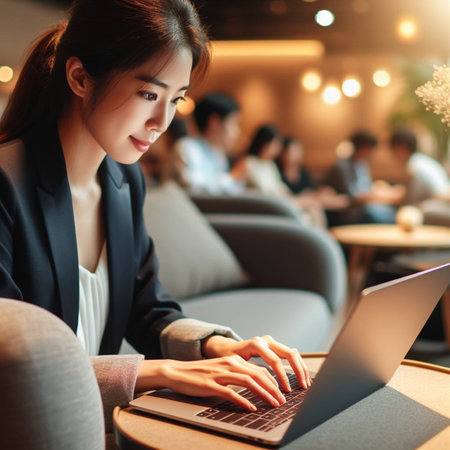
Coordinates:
x,y
297,282
289,280
246,203
50,396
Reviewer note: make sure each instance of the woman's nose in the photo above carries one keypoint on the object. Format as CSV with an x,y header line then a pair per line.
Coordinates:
x,y
159,119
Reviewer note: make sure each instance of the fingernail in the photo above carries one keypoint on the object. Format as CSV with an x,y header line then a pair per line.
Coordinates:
x,y
275,403
282,398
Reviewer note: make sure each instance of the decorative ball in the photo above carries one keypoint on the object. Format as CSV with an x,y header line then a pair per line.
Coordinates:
x,y
408,218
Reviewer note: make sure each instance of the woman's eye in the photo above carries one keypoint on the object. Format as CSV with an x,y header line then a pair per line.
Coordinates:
x,y
149,96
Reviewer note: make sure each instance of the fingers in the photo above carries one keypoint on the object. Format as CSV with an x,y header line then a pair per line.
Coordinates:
x,y
258,379
266,393
293,357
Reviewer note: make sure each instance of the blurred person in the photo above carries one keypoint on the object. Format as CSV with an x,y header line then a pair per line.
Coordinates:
x,y
426,177
91,99
258,170
205,158
373,202
290,164
298,180
162,162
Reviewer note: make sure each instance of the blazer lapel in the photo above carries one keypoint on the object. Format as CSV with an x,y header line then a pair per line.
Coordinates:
x,y
120,247
56,203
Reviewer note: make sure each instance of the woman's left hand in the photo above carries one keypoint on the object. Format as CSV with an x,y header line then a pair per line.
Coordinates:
x,y
265,347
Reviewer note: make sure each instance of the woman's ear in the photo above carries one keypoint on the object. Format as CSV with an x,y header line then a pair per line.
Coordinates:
x,y
78,79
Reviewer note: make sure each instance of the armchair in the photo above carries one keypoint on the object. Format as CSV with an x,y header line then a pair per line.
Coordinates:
x,y
288,280
49,392
246,203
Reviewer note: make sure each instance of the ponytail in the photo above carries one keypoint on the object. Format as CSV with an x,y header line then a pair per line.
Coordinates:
x,y
108,36
32,97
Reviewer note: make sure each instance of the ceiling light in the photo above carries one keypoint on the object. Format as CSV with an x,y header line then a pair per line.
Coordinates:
x,y
351,87
407,28
311,80
331,95
186,107
267,48
381,78
324,17
6,74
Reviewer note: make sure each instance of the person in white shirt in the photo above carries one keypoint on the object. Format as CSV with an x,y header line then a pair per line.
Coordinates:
x,y
427,178
205,158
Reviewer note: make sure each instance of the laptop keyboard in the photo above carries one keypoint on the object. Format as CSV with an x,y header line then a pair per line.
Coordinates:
x,y
266,417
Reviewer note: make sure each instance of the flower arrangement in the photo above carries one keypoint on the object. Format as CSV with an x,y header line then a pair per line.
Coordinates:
x,y
435,94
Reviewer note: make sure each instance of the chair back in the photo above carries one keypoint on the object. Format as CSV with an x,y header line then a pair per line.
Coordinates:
x,y
49,393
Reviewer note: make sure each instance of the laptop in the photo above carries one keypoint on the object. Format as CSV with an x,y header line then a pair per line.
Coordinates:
x,y
378,333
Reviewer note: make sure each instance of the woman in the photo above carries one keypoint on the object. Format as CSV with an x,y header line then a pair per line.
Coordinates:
x,y
258,169
290,165
93,96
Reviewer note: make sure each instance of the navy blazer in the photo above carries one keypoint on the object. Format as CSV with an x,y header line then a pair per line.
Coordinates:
x,y
38,250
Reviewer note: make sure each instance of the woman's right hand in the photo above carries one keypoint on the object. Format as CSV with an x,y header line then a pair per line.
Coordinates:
x,y
211,377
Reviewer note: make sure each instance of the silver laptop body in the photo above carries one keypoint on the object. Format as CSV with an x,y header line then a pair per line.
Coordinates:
x,y
375,338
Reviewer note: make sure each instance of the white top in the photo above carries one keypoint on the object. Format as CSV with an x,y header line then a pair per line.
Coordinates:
x,y
94,305
206,169
428,178
264,175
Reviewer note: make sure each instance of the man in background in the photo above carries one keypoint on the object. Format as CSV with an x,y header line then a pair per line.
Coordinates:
x,y
426,177
205,158
372,202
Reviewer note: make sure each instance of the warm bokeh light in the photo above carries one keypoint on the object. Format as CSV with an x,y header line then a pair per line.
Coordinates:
x,y
265,48
381,78
186,107
407,28
351,87
331,95
324,17
6,74
311,80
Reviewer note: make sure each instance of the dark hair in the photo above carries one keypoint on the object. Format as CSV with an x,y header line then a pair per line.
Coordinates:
x,y
405,138
287,141
363,139
263,135
107,36
214,103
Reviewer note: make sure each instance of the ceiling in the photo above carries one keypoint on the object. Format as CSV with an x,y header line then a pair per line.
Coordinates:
x,y
360,25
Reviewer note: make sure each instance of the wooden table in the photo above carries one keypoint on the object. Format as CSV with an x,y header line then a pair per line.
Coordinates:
x,y
412,411
363,241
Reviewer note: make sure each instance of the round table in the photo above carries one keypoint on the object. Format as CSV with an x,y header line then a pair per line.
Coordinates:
x,y
363,241
412,411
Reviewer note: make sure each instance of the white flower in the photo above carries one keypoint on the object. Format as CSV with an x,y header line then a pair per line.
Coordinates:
x,y
435,94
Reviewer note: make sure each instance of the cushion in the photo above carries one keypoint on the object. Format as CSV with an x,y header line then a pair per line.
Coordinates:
x,y
193,257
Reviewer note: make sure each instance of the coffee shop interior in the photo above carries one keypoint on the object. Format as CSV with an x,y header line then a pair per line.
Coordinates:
x,y
329,122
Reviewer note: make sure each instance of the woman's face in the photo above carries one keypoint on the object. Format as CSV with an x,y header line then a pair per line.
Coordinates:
x,y
271,150
293,155
138,106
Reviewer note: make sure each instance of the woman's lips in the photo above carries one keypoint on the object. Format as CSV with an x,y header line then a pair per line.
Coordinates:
x,y
141,146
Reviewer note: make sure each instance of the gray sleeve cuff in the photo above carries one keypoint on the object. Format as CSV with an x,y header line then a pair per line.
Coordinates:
x,y
182,338
116,377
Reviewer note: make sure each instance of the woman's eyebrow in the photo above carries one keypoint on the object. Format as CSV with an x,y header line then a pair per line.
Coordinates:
x,y
157,82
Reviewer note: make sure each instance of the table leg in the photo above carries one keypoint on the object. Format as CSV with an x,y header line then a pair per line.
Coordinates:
x,y
359,264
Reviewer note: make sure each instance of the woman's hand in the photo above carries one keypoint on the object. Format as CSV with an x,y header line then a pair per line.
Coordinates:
x,y
211,377
265,347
